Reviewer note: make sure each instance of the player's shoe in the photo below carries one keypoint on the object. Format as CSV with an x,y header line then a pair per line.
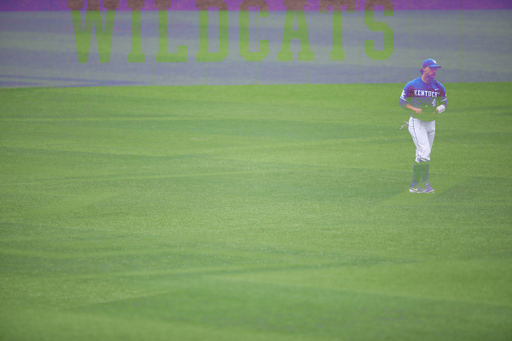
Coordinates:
x,y
415,188
428,189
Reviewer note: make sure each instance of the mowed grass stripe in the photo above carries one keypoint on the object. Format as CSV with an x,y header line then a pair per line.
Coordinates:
x,y
124,177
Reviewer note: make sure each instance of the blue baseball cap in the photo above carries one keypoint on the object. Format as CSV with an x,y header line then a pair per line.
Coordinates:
x,y
431,63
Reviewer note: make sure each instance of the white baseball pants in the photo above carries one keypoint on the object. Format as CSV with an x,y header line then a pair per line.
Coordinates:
x,y
422,134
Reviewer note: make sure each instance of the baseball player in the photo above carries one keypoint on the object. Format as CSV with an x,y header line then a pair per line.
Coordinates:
x,y
424,98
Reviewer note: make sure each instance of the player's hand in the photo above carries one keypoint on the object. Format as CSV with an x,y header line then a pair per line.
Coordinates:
x,y
417,110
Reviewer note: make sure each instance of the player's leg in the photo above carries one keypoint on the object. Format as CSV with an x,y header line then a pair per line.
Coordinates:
x,y
424,169
431,132
425,150
416,178
419,135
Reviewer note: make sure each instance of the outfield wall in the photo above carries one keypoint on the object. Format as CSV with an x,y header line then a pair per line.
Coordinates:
x,y
227,42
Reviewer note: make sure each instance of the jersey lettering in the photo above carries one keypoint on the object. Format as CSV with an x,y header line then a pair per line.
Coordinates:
x,y
425,93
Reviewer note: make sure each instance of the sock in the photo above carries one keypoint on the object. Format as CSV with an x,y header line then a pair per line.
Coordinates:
x,y
424,171
416,176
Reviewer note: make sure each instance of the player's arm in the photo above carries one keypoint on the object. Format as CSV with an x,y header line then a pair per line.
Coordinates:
x,y
443,100
405,98
416,110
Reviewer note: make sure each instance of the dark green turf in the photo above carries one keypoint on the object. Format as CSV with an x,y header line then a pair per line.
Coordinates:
x,y
252,213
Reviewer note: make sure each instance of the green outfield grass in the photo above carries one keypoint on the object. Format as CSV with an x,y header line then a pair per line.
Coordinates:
x,y
252,213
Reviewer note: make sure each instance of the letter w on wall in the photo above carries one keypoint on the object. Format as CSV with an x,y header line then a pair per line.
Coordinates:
x,y
93,18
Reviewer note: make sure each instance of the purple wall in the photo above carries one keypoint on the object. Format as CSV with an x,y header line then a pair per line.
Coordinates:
x,y
39,46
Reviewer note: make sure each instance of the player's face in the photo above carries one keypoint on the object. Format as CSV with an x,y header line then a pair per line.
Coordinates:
x,y
430,73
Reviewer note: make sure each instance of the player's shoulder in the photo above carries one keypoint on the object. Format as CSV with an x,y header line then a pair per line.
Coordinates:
x,y
439,85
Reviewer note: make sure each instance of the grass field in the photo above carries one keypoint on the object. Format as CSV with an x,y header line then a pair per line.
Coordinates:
x,y
252,213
